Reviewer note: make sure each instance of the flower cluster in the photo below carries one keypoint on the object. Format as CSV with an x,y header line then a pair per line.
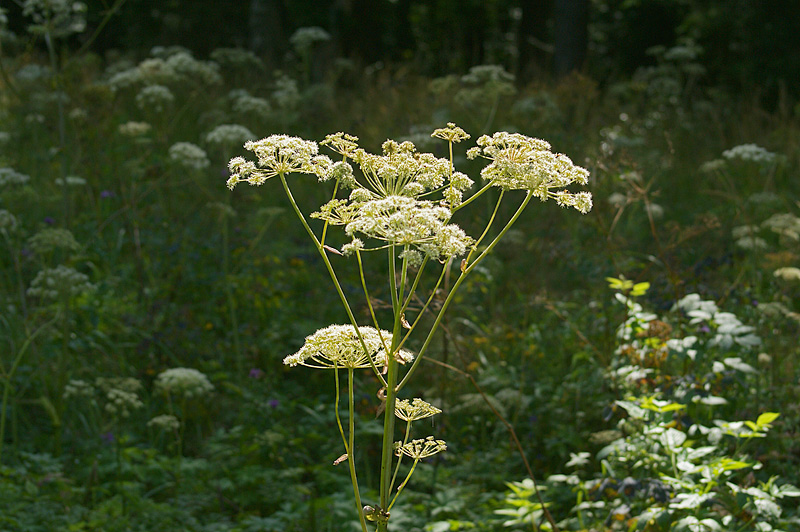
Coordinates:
x,y
9,176
119,403
154,98
304,38
78,388
60,17
187,383
340,346
165,422
59,282
419,449
751,153
524,163
71,181
229,135
134,129
278,154
788,273
8,222
189,155
414,410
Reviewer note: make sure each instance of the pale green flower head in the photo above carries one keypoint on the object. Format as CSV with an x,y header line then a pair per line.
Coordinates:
x,y
189,155
78,388
788,273
339,346
134,129
8,222
414,409
154,98
183,382
9,176
229,135
59,282
419,449
165,422
451,133
304,38
750,153
119,403
278,154
525,163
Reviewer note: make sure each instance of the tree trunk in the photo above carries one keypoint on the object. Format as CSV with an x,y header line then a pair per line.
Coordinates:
x,y
571,35
267,23
534,51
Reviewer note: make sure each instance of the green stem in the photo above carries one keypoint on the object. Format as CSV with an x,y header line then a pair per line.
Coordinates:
x,y
403,485
374,318
400,457
10,375
351,459
458,282
326,260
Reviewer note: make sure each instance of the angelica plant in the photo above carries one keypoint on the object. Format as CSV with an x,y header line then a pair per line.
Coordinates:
x,y
401,203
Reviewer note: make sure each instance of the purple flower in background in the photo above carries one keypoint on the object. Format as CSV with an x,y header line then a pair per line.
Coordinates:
x,y
107,437
107,194
704,329
256,373
273,403
49,220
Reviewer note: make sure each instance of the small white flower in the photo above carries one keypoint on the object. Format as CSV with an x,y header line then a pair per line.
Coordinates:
x,y
189,155
185,382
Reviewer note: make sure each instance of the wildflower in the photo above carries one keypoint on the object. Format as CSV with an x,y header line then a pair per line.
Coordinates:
x,y
134,129
286,94
525,163
229,135
414,410
120,403
237,58
715,165
9,176
165,422
71,180
750,152
59,17
8,222
339,346
78,388
189,155
154,98
451,133
785,224
751,242
352,247
248,105
419,449
184,382
51,239
128,384
256,373
304,38
277,154
341,143
788,273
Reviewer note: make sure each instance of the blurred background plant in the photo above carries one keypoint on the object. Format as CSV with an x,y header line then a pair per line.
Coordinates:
x,y
115,265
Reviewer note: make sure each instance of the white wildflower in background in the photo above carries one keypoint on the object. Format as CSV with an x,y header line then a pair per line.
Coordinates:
x,y
5,136
58,17
128,384
788,273
119,403
165,422
9,176
750,152
524,163
50,239
154,98
655,210
59,282
785,224
229,135
617,200
339,346
8,222
184,382
78,388
419,449
305,38
238,58
252,106
285,92
189,155
134,129
191,69
751,242
71,181
278,154
712,166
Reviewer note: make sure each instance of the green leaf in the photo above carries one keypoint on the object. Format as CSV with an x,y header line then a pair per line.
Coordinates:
x,y
766,418
639,289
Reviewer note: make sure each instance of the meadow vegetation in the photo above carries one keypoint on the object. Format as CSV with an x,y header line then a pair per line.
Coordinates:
x,y
640,361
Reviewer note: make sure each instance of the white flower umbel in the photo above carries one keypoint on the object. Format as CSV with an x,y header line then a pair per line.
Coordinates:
x,y
189,155
525,163
339,346
278,154
165,422
414,409
419,449
184,382
59,282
